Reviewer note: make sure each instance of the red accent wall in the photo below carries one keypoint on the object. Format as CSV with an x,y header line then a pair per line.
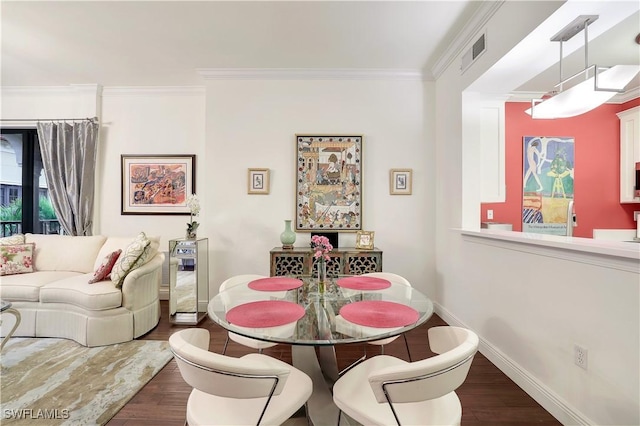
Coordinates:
x,y
597,174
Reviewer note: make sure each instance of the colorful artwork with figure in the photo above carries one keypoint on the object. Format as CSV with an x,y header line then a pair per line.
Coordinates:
x,y
329,182
156,184
548,170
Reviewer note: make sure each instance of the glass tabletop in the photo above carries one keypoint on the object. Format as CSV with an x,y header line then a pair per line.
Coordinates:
x,y
321,322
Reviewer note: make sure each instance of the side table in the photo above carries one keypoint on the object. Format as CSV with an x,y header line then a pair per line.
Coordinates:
x,y
5,308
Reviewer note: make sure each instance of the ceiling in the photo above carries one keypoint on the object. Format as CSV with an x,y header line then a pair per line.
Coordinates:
x,y
164,43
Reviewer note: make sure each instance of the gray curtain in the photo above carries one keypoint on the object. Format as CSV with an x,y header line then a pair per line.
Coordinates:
x,y
69,158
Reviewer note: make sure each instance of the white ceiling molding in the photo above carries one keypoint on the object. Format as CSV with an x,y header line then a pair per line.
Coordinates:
x,y
153,90
466,36
309,74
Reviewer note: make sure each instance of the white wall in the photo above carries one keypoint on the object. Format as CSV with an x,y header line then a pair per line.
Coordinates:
x,y
147,121
530,307
253,123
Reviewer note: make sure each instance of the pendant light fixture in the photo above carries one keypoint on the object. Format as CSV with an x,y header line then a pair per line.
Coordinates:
x,y
599,84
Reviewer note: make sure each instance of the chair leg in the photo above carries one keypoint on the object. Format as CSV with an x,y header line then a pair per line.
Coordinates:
x,y
260,350
407,345
226,342
339,415
381,349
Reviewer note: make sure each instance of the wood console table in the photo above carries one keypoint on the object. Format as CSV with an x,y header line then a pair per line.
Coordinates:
x,y
344,261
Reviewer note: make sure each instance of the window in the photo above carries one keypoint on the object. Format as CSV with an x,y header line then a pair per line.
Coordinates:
x,y
24,196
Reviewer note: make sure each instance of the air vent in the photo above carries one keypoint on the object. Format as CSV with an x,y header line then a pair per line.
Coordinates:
x,y
473,53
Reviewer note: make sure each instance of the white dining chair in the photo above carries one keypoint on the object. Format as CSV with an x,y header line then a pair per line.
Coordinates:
x,y
245,341
394,279
252,390
410,393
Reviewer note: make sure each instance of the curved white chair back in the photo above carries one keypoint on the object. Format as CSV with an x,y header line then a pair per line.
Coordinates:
x,y
432,377
394,278
215,374
239,279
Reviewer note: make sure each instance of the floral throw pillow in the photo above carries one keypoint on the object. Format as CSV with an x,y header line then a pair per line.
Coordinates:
x,y
104,270
134,255
16,259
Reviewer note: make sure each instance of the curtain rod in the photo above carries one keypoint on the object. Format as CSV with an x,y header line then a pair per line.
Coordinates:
x,y
50,119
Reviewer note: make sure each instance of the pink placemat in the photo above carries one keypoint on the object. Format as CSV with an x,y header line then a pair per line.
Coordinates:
x,y
275,284
265,313
364,283
379,313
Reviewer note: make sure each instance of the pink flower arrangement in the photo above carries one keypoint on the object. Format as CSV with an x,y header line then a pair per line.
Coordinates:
x,y
321,247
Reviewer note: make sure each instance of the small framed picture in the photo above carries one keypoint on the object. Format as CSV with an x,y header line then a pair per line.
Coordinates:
x,y
258,181
364,240
400,181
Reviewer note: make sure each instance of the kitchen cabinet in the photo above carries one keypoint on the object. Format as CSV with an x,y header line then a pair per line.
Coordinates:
x,y
629,153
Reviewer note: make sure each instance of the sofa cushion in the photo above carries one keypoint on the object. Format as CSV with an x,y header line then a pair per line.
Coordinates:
x,y
140,251
26,287
65,252
104,270
11,240
16,259
77,291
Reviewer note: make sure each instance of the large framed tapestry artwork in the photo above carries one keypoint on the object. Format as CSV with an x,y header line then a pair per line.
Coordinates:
x,y
548,170
329,183
157,184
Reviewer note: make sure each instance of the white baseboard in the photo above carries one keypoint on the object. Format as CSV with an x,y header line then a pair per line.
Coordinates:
x,y
164,293
556,406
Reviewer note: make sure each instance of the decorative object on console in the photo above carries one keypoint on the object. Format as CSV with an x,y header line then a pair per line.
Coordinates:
x,y
400,181
194,207
104,270
329,183
258,182
157,184
288,237
321,248
364,240
16,259
332,236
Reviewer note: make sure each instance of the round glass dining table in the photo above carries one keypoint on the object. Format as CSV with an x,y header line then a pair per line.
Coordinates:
x,y
292,311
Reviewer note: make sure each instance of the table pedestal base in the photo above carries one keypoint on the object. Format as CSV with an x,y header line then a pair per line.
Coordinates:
x,y
16,314
323,370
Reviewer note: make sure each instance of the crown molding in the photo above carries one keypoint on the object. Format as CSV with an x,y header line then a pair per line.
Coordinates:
x,y
465,37
309,74
53,90
153,90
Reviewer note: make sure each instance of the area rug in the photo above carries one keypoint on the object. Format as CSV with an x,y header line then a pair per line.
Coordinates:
x,y
60,382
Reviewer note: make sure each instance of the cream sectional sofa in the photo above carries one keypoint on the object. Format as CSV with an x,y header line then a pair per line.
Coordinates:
x,y
56,300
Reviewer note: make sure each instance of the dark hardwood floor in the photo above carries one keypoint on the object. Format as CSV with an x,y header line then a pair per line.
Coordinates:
x,y
488,396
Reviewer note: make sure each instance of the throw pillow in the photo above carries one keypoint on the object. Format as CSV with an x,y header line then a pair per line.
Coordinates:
x,y
104,270
16,259
132,256
12,240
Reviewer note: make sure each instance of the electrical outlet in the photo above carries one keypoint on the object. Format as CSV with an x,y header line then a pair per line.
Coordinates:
x,y
490,214
580,356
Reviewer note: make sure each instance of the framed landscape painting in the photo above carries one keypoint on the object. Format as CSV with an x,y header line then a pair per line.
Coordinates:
x,y
157,184
329,183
